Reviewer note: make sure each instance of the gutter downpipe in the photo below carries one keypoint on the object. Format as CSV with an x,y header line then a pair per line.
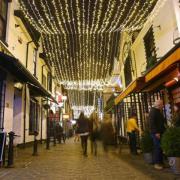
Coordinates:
x,y
42,103
25,95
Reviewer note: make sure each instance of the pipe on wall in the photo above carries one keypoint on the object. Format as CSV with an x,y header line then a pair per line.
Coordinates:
x,y
25,95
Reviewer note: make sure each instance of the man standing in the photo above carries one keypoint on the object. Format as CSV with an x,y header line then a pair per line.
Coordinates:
x,y
157,127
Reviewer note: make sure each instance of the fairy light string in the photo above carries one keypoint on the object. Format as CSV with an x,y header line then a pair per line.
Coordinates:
x,y
81,37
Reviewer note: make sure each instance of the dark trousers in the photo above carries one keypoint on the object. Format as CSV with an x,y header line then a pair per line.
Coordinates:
x,y
132,142
157,151
84,144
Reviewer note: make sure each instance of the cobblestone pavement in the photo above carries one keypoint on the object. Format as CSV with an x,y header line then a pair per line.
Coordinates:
x,y
66,162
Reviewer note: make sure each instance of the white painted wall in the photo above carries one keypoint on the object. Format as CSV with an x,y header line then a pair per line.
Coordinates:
x,y
167,21
18,50
18,116
9,99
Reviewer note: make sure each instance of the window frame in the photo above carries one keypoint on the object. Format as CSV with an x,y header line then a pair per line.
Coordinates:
x,y
128,74
35,53
34,115
49,81
2,97
4,21
150,48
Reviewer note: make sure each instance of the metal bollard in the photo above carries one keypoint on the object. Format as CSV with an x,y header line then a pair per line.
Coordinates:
x,y
35,146
11,150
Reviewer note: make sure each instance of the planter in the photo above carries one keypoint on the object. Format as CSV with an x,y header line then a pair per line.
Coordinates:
x,y
148,158
174,163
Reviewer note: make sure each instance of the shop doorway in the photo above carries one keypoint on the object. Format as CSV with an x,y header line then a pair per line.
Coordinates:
x,y
17,114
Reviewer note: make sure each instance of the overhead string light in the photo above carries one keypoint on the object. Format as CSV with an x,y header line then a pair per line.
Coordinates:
x,y
81,37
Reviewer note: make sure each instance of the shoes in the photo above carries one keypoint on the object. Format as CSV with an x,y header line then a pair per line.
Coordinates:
x,y
158,167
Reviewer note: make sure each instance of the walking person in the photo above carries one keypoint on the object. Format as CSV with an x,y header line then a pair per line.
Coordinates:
x,y
83,126
76,129
157,127
107,132
132,128
93,128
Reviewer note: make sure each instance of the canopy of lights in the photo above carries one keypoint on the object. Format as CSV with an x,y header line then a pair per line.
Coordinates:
x,y
81,38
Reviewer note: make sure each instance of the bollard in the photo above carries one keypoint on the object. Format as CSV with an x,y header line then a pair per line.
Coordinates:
x,y
11,150
35,146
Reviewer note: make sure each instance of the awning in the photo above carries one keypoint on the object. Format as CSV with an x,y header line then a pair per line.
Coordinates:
x,y
165,70
18,70
135,86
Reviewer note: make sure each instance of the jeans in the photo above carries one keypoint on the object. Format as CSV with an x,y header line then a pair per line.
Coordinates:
x,y
84,144
132,142
157,151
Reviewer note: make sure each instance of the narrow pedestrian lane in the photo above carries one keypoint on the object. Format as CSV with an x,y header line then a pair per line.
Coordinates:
x,y
65,161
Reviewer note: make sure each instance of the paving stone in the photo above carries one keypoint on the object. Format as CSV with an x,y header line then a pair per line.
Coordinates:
x,y
66,162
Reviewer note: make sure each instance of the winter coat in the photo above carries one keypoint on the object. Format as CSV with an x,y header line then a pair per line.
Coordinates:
x,y
156,121
83,125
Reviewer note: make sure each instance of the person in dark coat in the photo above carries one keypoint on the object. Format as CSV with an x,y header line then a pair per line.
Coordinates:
x,y
59,133
157,128
83,125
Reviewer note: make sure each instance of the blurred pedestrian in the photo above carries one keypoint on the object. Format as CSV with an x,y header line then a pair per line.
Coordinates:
x,y
83,128
59,133
107,132
94,132
76,138
132,128
157,128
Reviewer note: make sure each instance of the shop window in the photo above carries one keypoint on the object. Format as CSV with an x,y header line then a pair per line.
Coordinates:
x,y
33,117
49,82
127,71
34,62
3,18
2,99
150,49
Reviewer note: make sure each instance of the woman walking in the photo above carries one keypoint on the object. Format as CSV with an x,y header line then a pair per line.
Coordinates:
x,y
83,126
93,127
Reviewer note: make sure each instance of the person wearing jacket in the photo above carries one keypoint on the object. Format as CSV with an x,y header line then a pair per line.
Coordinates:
x,y
132,128
157,128
83,129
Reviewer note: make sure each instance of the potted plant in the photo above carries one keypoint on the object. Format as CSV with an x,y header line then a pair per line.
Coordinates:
x,y
147,147
171,147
